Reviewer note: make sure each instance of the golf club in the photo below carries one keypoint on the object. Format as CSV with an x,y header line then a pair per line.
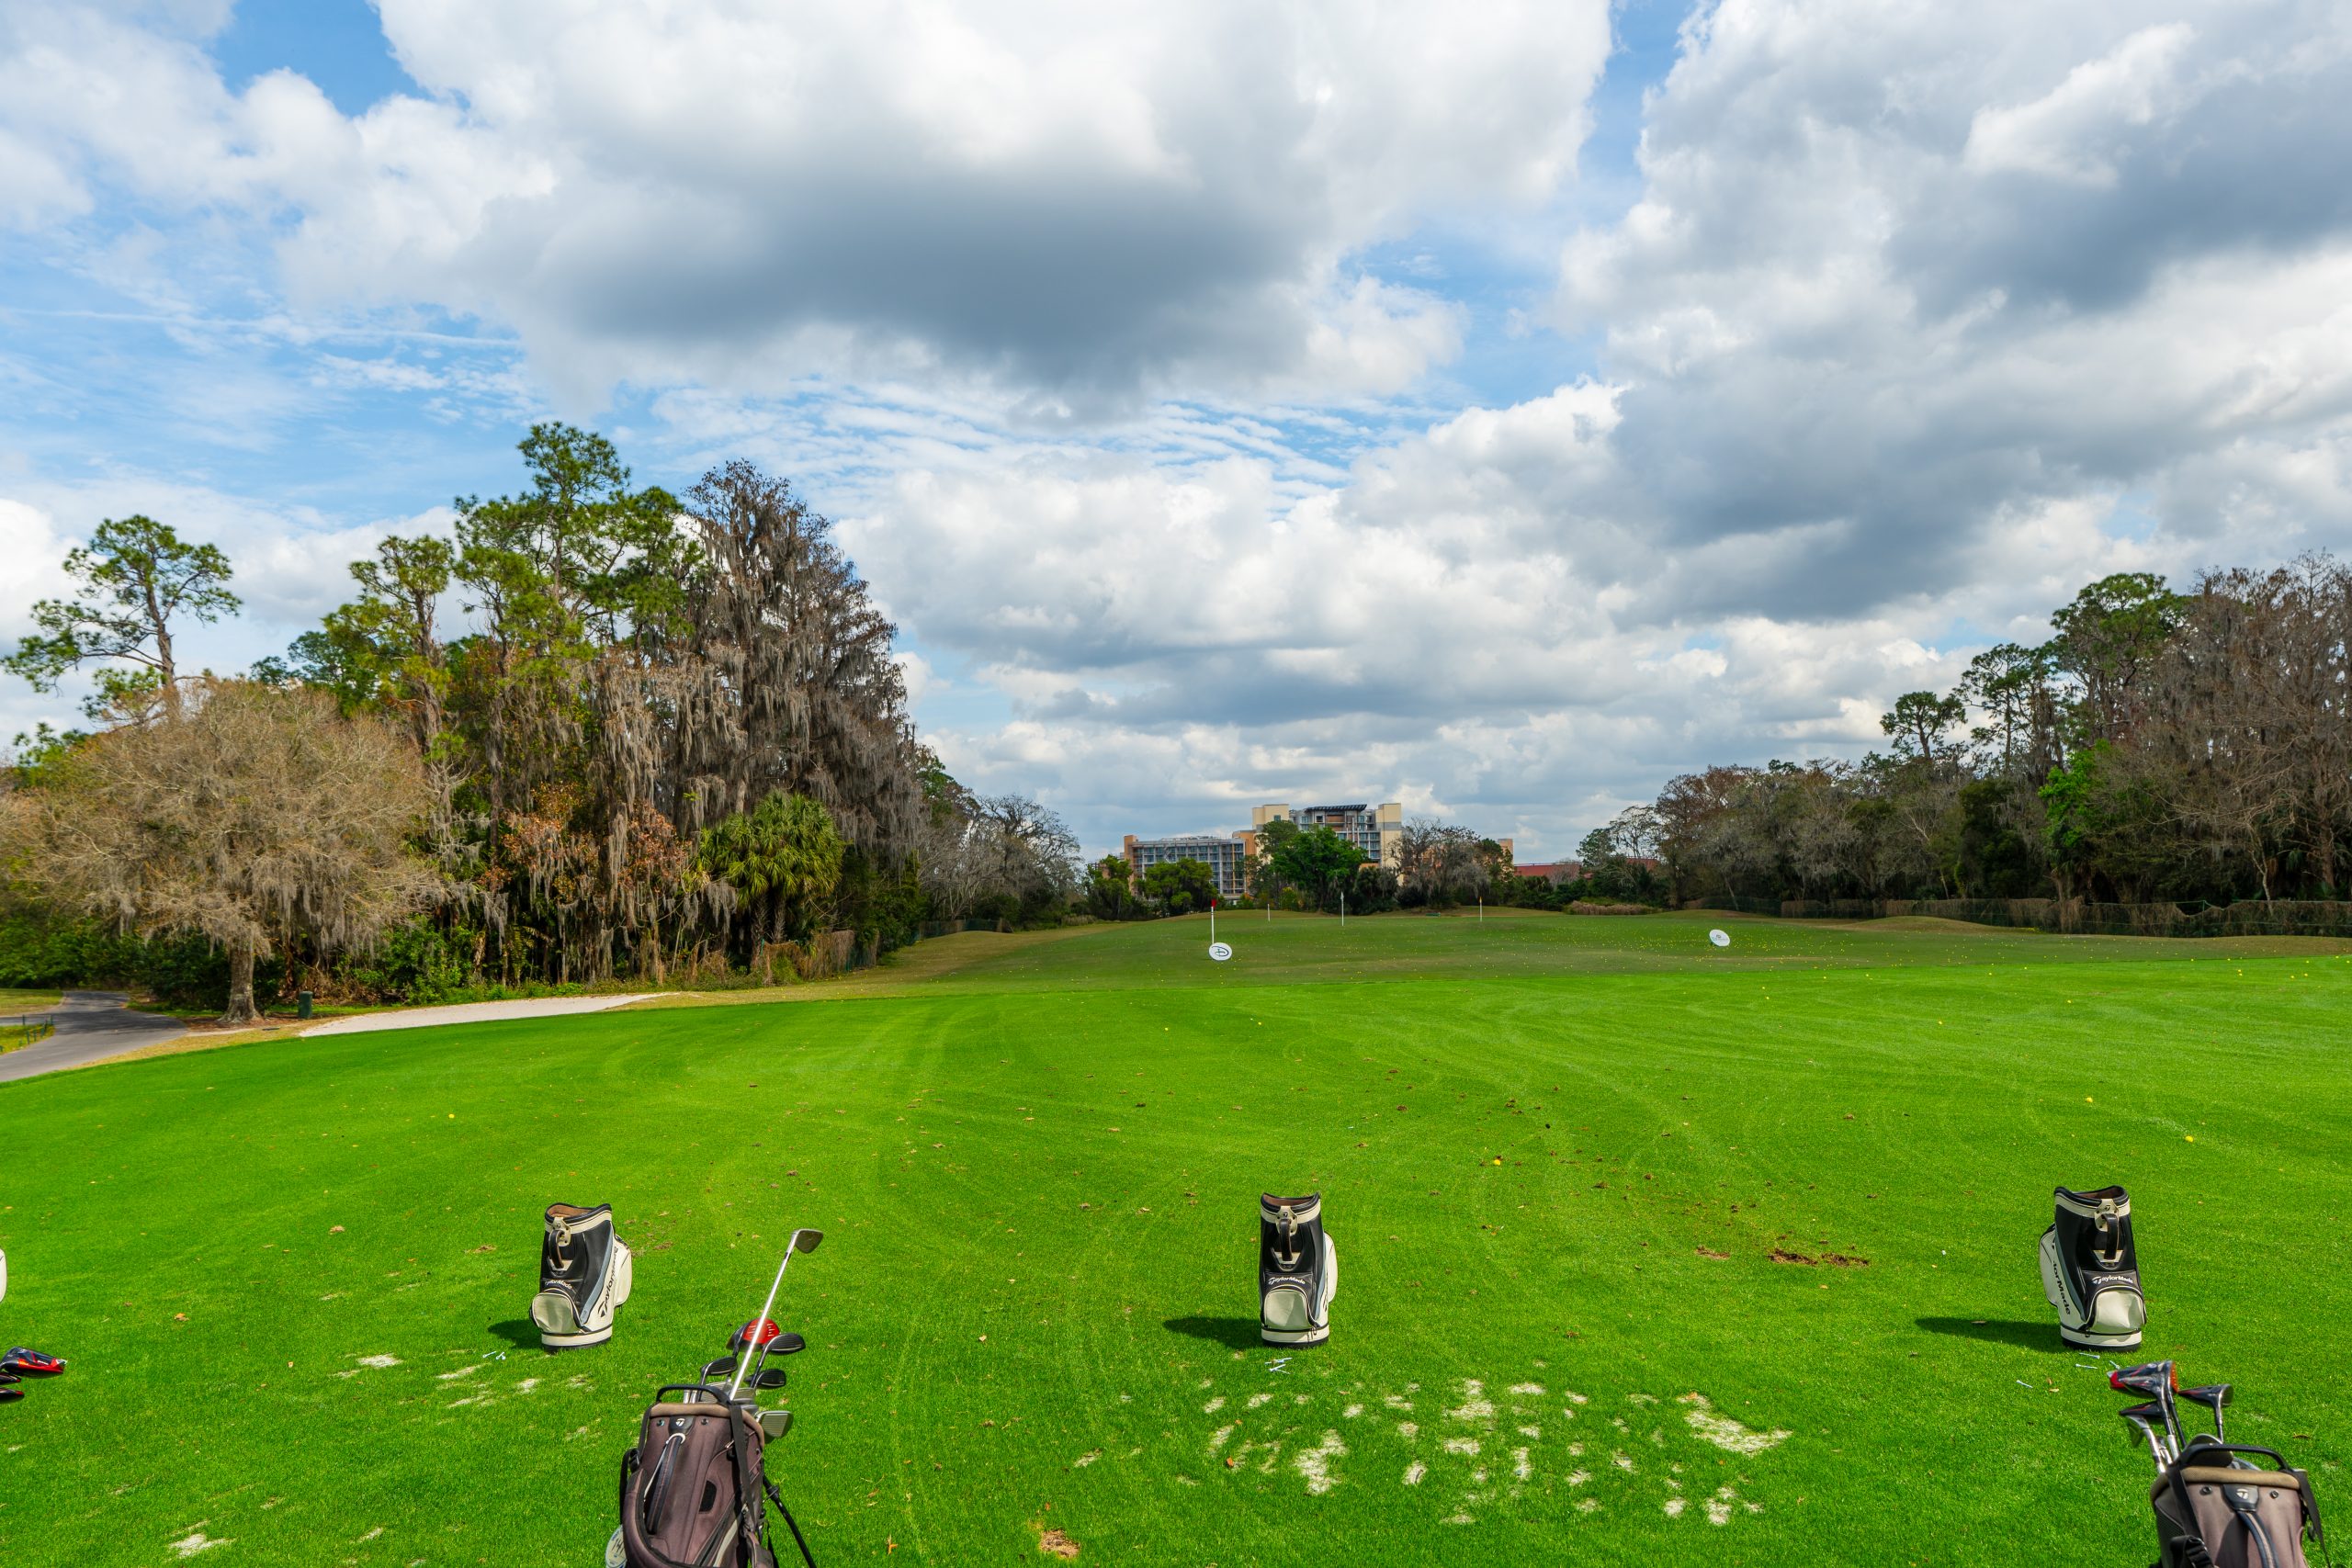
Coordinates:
x,y
763,1328
2147,1421
2213,1397
2152,1381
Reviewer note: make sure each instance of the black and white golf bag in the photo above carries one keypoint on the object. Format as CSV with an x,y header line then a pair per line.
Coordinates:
x,y
1298,1271
2090,1272
584,1276
2216,1508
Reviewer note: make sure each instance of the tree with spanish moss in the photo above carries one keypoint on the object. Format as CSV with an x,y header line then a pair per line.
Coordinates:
x,y
258,817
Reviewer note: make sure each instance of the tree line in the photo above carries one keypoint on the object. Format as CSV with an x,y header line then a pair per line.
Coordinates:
x,y
2159,746
662,733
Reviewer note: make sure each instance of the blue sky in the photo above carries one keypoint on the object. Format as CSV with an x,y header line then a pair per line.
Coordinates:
x,y
1228,407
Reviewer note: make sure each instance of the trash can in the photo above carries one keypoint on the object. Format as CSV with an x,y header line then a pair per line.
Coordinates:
x,y
302,1004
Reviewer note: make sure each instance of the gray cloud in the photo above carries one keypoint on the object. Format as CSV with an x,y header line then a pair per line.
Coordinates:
x,y
1080,203
1890,282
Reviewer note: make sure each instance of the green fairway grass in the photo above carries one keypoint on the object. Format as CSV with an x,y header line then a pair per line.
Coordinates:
x,y
1037,1160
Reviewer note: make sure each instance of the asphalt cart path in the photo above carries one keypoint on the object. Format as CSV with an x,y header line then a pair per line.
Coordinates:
x,y
91,1027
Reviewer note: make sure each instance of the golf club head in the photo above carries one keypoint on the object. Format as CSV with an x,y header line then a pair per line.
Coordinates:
x,y
21,1361
805,1241
2150,1380
768,1378
2214,1398
752,1335
2148,1421
724,1367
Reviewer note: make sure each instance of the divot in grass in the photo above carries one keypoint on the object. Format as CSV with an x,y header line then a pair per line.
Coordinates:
x,y
1724,1432
1476,1406
1315,1463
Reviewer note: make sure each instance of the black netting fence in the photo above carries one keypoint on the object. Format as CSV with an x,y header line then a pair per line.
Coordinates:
x,y
2076,917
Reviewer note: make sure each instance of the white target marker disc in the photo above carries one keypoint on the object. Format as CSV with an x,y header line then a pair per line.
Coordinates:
x,y
1220,951
1720,938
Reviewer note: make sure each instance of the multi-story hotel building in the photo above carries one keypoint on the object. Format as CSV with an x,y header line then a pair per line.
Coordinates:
x,y
1377,830
1374,829
1227,858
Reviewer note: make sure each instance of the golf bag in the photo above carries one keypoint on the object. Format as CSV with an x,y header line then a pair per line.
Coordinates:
x,y
584,1276
2090,1272
1298,1271
2214,1509
694,1490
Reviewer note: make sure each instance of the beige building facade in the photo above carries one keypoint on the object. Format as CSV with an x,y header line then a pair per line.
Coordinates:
x,y
1377,830
1374,829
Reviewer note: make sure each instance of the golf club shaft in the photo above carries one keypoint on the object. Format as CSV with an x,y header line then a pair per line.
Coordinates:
x,y
743,1362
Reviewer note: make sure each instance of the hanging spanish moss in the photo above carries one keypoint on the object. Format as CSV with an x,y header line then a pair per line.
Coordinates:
x,y
669,733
